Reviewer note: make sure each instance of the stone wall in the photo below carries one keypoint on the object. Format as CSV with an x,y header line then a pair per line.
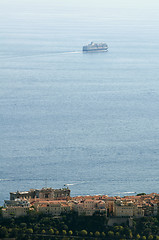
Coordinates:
x,y
120,221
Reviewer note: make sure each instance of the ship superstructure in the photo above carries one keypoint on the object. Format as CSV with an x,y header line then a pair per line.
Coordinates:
x,y
96,47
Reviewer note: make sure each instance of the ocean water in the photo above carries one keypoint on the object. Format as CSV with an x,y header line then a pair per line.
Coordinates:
x,y
89,120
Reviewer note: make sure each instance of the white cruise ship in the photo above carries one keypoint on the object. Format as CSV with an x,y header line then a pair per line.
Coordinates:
x,y
96,47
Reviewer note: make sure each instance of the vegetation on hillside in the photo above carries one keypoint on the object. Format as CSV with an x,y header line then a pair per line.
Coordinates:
x,y
37,226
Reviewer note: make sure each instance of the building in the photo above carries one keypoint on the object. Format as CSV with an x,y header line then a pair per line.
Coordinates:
x,y
127,209
17,202
44,193
89,207
123,210
21,195
49,193
17,211
55,208
58,201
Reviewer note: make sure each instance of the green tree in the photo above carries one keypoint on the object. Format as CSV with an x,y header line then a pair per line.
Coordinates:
x,y
30,231
76,233
143,237
116,228
130,235
23,225
83,233
111,234
51,231
121,228
97,234
140,194
70,233
15,232
147,231
150,237
3,232
1,211
117,234
64,232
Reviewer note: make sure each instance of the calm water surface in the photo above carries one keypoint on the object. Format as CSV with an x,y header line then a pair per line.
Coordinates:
x,y
88,120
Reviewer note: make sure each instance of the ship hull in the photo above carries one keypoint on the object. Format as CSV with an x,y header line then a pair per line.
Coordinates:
x,y
95,50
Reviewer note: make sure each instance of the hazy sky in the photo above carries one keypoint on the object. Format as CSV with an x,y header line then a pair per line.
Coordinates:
x,y
114,3
131,9
144,4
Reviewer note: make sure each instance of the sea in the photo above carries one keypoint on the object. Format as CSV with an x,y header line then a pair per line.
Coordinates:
x,y
87,121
